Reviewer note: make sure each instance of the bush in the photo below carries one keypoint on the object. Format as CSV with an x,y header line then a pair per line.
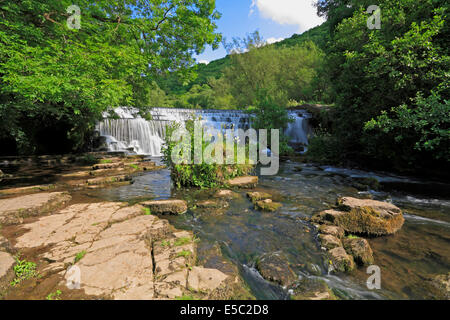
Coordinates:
x,y
202,175
324,148
270,115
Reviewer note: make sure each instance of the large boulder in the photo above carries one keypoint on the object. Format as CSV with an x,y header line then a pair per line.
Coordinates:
x,y
13,210
363,216
360,249
171,206
340,260
275,267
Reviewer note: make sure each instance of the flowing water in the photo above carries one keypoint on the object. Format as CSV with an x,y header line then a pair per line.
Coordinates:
x,y
132,133
419,250
407,259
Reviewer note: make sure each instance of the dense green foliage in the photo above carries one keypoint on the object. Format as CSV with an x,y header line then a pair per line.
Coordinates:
x,y
391,85
205,174
56,81
293,65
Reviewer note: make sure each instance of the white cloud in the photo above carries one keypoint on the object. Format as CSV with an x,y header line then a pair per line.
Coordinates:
x,y
273,40
203,61
301,13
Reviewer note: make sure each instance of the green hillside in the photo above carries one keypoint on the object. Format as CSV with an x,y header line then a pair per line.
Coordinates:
x,y
172,85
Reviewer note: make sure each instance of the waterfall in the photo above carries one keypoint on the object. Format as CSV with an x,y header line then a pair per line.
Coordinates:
x,y
131,133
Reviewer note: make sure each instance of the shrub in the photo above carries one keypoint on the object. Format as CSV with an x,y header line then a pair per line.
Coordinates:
x,y
204,175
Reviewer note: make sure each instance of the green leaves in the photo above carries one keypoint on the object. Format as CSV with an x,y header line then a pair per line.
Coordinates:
x,y
48,70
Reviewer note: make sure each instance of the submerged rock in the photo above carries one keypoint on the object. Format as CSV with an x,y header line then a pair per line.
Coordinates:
x,y
442,284
243,182
340,260
363,216
267,205
13,210
228,194
212,204
275,267
171,206
360,250
312,289
109,180
257,196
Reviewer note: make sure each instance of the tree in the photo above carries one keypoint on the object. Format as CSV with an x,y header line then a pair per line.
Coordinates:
x,y
388,80
56,78
282,72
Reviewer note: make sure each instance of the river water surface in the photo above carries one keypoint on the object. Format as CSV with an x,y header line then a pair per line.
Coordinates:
x,y
419,251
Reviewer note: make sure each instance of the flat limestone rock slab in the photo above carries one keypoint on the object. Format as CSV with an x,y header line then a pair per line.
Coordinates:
x,y
13,210
243,182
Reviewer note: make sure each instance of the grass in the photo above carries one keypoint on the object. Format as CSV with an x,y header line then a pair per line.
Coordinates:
x,y
134,166
147,211
54,295
23,270
350,236
182,241
165,243
104,161
184,253
80,256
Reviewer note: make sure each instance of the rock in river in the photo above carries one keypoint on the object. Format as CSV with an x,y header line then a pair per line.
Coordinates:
x,y
363,216
243,182
329,242
340,260
360,249
275,267
171,206
312,289
267,205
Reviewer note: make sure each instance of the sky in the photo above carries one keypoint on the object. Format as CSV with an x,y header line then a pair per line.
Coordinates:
x,y
274,19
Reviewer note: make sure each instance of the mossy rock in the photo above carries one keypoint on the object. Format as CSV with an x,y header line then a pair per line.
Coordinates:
x,y
360,249
257,196
275,267
312,289
268,205
340,260
363,216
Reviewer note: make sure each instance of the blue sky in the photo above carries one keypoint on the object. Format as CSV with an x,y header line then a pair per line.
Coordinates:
x,y
274,19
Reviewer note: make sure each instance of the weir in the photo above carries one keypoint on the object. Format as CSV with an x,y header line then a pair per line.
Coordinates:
x,y
130,132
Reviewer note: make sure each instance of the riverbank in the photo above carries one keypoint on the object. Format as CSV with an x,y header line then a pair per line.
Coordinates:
x,y
59,243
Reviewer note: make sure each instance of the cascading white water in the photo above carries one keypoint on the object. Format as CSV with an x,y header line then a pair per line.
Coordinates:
x,y
299,130
134,134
